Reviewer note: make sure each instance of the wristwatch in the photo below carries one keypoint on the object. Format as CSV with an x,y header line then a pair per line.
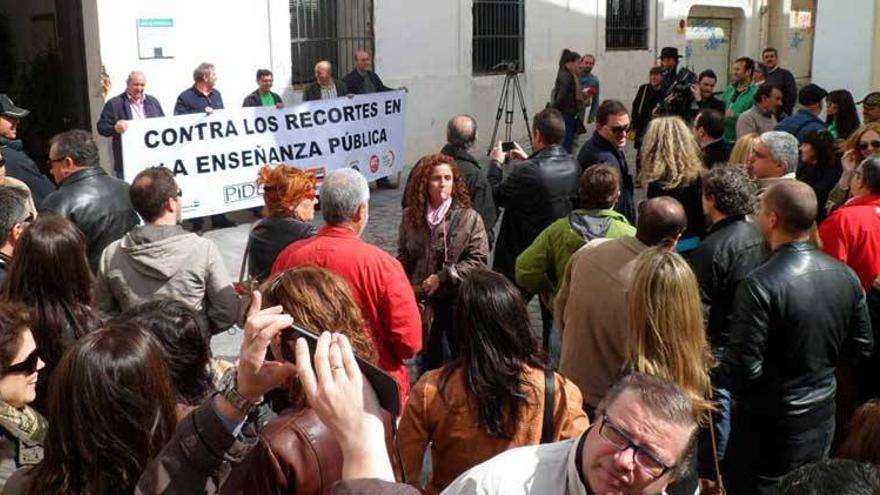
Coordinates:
x,y
229,390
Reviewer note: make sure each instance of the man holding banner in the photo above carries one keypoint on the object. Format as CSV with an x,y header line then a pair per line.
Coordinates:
x,y
202,96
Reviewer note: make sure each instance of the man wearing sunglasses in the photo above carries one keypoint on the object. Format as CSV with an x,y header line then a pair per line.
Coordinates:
x,y
14,218
606,146
642,442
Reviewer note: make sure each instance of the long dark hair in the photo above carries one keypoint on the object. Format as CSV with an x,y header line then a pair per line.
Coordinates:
x,y
417,206
496,342
185,340
566,57
847,116
111,410
823,146
50,273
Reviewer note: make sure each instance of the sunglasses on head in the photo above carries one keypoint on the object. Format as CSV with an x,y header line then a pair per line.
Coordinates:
x,y
873,144
28,366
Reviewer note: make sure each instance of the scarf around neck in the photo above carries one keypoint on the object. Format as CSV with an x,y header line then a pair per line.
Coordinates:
x,y
25,424
436,216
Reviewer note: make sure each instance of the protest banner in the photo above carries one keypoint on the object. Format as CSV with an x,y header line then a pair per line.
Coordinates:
x,y
215,158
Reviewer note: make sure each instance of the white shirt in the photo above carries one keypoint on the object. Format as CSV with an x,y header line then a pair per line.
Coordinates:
x,y
547,469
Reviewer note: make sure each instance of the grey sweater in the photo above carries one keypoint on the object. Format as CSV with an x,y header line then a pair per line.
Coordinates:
x,y
754,120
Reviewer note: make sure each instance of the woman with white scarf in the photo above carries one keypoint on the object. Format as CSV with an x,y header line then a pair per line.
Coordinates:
x,y
441,239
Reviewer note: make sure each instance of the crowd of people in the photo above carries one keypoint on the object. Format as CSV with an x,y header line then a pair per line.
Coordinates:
x,y
717,335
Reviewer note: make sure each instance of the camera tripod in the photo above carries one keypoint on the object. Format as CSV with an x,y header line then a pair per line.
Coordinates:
x,y
510,92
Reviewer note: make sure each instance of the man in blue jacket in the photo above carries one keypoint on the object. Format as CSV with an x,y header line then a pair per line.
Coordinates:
x,y
132,104
606,146
807,118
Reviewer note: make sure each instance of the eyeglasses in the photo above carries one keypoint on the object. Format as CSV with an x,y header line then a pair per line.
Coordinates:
x,y
873,144
619,129
28,366
621,441
51,160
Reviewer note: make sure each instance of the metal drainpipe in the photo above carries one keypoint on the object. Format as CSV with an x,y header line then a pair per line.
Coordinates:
x,y
656,28
269,32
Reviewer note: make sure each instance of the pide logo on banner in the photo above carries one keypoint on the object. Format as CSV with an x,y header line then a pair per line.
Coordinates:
x,y
215,158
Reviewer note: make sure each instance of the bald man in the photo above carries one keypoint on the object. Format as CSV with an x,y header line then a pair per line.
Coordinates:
x,y
133,104
325,86
591,306
796,318
362,80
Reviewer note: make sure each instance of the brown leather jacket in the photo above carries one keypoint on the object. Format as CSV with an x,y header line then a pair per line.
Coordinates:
x,y
466,248
451,426
296,454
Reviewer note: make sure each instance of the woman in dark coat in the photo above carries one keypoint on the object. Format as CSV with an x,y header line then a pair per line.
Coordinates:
x,y
567,94
441,239
290,197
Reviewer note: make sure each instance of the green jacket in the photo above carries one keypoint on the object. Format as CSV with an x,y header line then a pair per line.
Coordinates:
x,y
743,103
542,265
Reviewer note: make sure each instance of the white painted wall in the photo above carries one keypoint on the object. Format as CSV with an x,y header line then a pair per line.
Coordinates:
x,y
843,57
237,37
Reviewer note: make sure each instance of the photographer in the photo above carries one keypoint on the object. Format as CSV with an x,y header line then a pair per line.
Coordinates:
x,y
647,98
677,97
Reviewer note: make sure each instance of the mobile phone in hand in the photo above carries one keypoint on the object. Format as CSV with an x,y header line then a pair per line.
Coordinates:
x,y
507,146
384,384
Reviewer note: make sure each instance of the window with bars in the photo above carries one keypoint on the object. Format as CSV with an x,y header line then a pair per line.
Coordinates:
x,y
626,25
328,30
499,27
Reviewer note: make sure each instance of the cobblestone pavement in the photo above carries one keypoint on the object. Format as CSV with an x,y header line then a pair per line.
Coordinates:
x,y
382,229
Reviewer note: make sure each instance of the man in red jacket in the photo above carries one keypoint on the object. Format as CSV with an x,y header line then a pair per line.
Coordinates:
x,y
376,278
852,235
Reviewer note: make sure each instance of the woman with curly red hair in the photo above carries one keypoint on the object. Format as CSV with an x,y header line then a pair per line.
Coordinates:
x,y
441,239
290,197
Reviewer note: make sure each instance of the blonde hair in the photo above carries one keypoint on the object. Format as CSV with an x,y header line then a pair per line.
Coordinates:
x,y
742,150
670,154
666,333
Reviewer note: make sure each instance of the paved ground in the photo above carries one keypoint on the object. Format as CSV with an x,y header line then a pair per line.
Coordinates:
x,y
381,230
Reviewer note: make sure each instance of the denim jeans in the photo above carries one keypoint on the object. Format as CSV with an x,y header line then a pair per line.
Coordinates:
x,y
721,422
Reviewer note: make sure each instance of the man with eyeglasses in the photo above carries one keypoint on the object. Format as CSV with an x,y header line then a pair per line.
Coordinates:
x,y
796,318
14,218
18,164
642,442
852,235
606,146
161,259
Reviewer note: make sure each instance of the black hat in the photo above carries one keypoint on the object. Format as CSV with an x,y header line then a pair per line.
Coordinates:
x,y
8,109
669,52
811,94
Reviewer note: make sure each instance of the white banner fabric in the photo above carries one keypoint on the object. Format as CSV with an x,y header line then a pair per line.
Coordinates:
x,y
215,158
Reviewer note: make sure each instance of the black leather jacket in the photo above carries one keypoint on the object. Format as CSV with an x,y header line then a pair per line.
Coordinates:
x,y
732,248
98,204
534,193
796,317
269,237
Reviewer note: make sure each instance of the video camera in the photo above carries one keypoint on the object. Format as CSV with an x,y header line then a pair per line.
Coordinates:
x,y
508,66
678,97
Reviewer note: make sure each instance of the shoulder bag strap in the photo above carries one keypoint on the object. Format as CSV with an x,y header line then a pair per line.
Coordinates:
x,y
549,405
720,487
247,251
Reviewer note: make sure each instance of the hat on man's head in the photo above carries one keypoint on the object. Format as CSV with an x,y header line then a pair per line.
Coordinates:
x,y
8,109
871,100
811,94
669,52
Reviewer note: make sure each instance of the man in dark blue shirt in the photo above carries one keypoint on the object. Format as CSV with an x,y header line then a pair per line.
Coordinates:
x,y
201,96
198,98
